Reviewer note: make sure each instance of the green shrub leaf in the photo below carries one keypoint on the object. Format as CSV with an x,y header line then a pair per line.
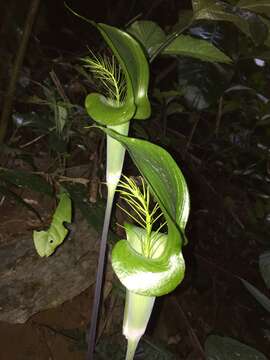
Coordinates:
x,y
200,49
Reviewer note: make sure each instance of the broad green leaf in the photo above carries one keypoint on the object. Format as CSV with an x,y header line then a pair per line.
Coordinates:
x,y
158,276
246,21
257,6
259,296
264,263
134,64
148,33
162,174
22,178
222,35
200,49
226,348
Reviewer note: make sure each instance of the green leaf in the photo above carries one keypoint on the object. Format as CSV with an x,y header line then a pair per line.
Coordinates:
x,y
264,264
22,178
246,21
158,276
257,6
148,33
226,348
259,296
200,49
134,64
47,241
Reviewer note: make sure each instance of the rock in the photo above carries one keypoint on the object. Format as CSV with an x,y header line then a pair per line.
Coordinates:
x,y
29,284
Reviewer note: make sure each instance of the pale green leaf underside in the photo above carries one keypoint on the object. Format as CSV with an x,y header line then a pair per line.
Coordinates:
x,y
157,276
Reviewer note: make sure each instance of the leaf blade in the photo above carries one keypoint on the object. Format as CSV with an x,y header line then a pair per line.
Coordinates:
x,y
200,49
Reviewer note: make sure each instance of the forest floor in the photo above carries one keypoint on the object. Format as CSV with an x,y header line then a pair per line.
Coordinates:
x,y
213,302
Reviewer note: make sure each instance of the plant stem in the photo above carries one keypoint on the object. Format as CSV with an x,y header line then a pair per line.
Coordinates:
x,y
115,159
131,348
138,309
99,277
7,106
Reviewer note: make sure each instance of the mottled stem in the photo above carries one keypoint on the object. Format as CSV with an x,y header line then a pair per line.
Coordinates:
x,y
99,276
115,160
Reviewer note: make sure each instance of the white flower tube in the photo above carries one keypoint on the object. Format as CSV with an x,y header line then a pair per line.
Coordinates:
x,y
138,309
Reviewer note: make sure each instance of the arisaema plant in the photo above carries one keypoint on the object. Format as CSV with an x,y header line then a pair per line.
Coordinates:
x,y
149,263
158,267
125,86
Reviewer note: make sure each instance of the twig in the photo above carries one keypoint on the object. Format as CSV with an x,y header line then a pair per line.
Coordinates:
x,y
224,271
164,73
94,179
41,330
196,118
62,178
182,145
59,87
108,319
32,141
55,331
154,5
192,333
7,106
232,213
219,115
216,266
